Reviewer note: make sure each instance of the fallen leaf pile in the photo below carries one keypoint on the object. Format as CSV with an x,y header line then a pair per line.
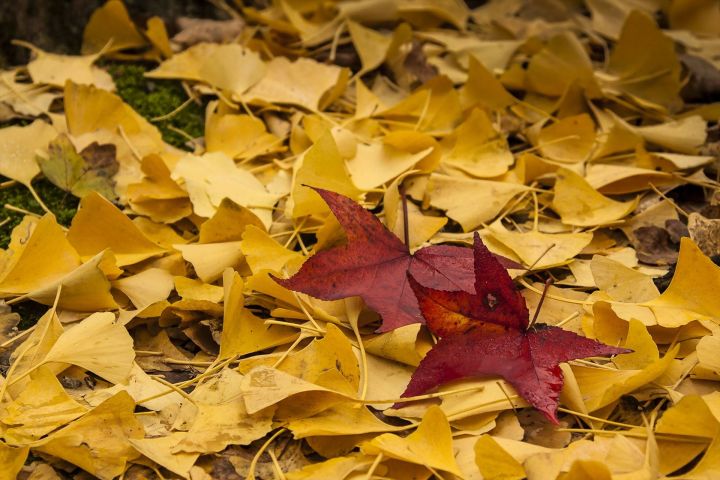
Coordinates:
x,y
312,289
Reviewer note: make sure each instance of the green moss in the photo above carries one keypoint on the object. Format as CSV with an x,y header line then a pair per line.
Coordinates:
x,y
154,98
61,203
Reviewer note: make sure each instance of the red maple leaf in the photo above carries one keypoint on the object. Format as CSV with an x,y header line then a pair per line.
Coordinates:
x,y
486,334
374,265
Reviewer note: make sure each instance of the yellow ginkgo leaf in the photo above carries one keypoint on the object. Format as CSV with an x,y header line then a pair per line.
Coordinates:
x,y
562,62
578,203
30,354
471,202
229,67
263,387
620,179
99,441
386,380
601,387
696,273
98,344
371,46
423,226
429,445
377,163
98,225
217,416
690,416
476,148
239,136
435,107
24,100
685,135
88,108
214,176
191,289
243,332
530,167
644,350
157,34
19,146
85,289
38,254
483,89
141,387
42,407
608,17
312,33
159,450
328,362
707,348
342,419
157,195
366,102
228,223
210,259
709,464
54,69
456,13
542,250
569,140
643,63
337,468
111,29
321,166
494,462
309,80
262,252
622,283
407,344
700,17
12,460
147,287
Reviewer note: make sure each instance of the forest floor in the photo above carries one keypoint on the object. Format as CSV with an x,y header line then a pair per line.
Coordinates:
x,y
364,240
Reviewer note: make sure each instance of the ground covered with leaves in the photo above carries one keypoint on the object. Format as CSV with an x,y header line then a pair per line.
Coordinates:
x,y
362,239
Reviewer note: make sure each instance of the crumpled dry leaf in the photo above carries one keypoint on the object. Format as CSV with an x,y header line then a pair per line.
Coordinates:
x,y
197,30
705,232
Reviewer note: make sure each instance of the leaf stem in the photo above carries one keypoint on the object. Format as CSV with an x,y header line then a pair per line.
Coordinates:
x,y
261,450
374,465
406,229
548,282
